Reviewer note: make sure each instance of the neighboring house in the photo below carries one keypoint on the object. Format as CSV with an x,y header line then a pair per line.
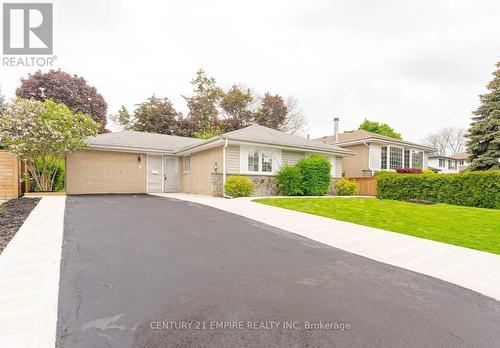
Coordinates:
x,y
376,152
138,162
443,164
463,160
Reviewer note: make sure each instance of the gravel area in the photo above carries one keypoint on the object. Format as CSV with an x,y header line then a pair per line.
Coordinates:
x,y
12,215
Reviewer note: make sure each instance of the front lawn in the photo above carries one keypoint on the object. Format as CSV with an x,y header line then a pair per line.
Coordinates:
x,y
475,228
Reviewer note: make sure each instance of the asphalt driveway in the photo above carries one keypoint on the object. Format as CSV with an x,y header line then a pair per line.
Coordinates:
x,y
145,271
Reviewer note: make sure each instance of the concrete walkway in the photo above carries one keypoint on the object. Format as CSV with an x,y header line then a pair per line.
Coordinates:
x,y
472,269
29,278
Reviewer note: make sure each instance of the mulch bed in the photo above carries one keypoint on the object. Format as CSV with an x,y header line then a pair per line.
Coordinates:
x,y
12,215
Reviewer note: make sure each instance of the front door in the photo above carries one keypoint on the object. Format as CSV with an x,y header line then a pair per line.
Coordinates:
x,y
155,173
171,174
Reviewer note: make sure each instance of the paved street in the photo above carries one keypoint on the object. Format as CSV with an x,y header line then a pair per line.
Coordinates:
x,y
135,269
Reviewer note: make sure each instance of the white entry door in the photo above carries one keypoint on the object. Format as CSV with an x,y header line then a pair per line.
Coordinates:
x,y
171,174
155,173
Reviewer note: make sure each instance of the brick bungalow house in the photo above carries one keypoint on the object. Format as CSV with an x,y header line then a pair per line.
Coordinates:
x,y
138,162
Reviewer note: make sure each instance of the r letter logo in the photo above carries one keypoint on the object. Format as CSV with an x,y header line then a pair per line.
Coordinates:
x,y
27,28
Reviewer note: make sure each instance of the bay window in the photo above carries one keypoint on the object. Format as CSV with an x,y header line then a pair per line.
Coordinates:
x,y
383,157
417,159
407,158
395,157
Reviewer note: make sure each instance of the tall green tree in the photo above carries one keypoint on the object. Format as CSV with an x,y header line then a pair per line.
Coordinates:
x,y
379,128
122,117
235,105
204,104
483,136
155,115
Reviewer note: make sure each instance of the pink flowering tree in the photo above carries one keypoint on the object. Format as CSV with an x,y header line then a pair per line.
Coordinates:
x,y
42,132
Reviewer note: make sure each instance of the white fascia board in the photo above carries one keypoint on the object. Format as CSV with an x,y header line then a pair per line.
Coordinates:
x,y
344,152
127,149
204,146
388,142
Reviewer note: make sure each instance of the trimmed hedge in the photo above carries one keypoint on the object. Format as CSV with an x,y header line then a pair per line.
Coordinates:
x,y
289,180
316,175
473,189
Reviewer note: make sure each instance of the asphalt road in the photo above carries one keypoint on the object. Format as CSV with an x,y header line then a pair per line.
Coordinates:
x,y
145,271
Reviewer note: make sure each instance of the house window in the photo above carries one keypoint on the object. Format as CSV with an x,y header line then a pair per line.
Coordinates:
x,y
383,157
442,163
187,163
267,161
253,160
407,158
417,159
461,163
451,164
395,157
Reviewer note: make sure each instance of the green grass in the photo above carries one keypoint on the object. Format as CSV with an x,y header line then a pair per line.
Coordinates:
x,y
475,228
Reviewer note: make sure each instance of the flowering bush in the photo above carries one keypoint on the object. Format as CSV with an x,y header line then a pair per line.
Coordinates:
x,y
41,133
239,186
346,187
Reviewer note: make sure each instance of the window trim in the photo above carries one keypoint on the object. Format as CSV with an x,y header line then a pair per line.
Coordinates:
x,y
389,157
261,151
184,170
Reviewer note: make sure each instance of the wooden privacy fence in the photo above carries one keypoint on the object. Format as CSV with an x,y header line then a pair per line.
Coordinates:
x,y
11,172
367,185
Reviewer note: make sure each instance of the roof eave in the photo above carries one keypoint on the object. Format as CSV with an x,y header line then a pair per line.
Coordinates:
x,y
385,141
106,147
345,152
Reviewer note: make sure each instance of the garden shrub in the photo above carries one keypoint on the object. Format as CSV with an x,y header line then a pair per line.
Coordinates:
x,y
239,186
316,175
290,180
409,170
474,189
346,187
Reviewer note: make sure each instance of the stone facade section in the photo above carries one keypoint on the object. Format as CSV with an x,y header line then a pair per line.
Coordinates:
x,y
265,185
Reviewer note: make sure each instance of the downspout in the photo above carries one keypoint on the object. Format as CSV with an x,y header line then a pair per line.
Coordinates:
x,y
369,162
224,165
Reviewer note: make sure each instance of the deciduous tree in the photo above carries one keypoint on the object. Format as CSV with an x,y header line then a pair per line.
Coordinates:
x,y
483,143
272,112
41,133
235,105
295,121
155,115
2,103
204,104
379,128
447,141
72,90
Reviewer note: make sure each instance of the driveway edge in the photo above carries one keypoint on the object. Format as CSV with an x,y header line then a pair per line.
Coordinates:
x,y
29,278
472,269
